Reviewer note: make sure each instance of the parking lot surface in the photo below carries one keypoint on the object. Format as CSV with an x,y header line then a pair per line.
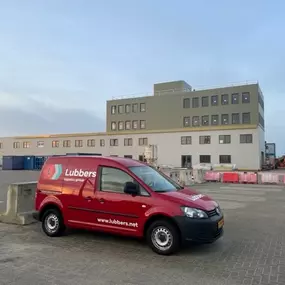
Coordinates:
x,y
252,250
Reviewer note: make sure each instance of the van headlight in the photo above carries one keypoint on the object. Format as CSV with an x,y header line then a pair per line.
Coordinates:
x,y
194,213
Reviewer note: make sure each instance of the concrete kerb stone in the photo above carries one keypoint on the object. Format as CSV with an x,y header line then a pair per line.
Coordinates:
x,y
20,204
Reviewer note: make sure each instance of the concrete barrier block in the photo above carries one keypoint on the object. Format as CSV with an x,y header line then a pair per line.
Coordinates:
x,y
20,204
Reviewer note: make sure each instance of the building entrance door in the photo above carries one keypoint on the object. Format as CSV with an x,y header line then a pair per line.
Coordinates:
x,y
186,161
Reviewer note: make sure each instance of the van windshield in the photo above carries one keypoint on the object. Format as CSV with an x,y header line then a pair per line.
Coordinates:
x,y
157,181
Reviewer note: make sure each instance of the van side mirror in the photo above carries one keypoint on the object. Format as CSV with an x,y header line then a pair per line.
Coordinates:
x,y
131,188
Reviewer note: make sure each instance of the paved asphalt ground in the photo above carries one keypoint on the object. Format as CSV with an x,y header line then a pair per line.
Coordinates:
x,y
252,250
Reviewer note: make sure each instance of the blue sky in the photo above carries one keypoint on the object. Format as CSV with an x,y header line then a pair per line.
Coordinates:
x,y
61,60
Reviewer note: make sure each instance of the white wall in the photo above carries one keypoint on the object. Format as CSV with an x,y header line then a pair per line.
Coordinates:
x,y
245,156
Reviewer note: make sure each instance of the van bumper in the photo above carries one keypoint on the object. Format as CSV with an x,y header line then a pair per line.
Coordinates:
x,y
36,215
200,230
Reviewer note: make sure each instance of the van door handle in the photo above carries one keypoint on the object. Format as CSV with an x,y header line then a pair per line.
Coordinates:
x,y
101,200
89,198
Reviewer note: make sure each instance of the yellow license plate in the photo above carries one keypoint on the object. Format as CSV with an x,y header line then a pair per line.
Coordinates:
x,y
221,223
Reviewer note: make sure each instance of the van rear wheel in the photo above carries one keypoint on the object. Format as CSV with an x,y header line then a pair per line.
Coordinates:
x,y
52,223
163,237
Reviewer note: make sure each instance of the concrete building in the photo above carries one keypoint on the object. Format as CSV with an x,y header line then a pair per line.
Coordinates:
x,y
219,125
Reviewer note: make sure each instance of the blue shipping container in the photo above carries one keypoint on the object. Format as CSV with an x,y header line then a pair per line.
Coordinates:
x,y
13,163
39,162
29,162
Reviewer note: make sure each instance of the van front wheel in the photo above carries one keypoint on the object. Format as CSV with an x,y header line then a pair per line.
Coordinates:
x,y
163,237
52,223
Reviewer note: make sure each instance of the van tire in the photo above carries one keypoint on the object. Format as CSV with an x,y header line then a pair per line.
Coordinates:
x,y
52,223
162,232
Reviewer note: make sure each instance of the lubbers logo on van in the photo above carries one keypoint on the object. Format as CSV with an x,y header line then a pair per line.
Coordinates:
x,y
55,171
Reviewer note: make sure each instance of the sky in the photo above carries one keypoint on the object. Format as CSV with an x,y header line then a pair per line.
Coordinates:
x,y
60,60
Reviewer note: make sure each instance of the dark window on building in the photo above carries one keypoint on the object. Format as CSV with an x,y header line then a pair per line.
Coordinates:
x,y
40,144
225,119
143,141
78,143
260,100
1,145
235,98
121,125
114,142
142,107
195,121
113,109
113,126
54,144
214,100
215,120
102,142
186,140
66,143
142,124
186,121
246,118
225,99
225,159
186,103
205,159
128,125
16,145
235,118
128,108
224,139
261,120
186,161
135,108
135,125
195,102
245,97
204,139
246,138
128,142
205,120
91,143
128,156
205,101
121,109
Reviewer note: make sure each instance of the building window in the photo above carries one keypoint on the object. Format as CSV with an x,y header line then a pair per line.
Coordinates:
x,y
246,118
142,124
215,120
121,109
261,120
205,159
224,139
186,140
40,144
135,108
205,139
55,143
142,107
128,108
113,109
113,126
121,126
186,103
260,101
26,144
91,143
235,98
225,119
128,125
235,118
143,141
128,156
214,100
225,159
135,125
205,101
102,142
205,120
186,121
16,145
195,102
78,143
225,99
195,121
114,142
66,143
1,145
246,138
128,142
245,97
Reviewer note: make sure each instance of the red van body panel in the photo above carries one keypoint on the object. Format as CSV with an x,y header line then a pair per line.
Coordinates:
x,y
73,184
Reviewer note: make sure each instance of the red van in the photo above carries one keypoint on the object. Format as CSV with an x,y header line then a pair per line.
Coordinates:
x,y
123,196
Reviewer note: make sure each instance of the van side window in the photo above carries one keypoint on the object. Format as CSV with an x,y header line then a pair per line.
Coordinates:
x,y
114,180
